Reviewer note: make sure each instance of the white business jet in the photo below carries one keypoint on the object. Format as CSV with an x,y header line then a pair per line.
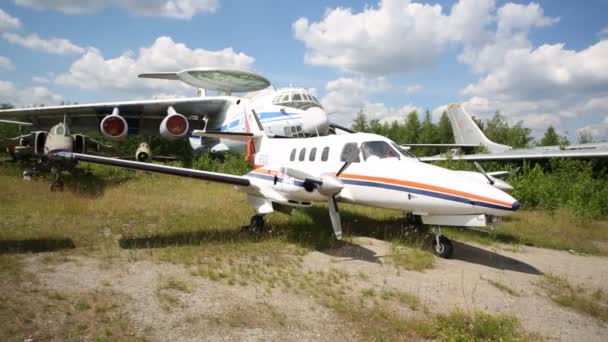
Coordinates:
x,y
291,112
360,168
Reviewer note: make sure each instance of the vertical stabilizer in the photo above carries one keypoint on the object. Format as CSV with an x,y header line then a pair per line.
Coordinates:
x,y
466,130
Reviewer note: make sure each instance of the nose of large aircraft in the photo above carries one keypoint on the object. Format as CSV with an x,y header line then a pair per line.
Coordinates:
x,y
316,120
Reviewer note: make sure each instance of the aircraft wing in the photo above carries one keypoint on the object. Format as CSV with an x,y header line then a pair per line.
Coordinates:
x,y
164,169
515,155
11,142
143,117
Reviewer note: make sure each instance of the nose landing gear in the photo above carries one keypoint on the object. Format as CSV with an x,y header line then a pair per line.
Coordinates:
x,y
442,246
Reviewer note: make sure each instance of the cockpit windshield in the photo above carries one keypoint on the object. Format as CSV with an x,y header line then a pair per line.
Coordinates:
x,y
378,150
300,99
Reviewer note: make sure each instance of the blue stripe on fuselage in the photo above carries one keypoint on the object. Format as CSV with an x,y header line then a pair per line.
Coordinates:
x,y
397,188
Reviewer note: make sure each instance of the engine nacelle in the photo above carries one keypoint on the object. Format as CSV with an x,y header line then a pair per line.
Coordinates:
x,y
114,126
143,153
79,145
174,125
39,142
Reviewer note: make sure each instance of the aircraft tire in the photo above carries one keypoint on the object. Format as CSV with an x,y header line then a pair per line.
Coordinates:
x,y
257,224
444,249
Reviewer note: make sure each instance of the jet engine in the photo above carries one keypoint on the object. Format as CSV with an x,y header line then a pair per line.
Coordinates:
x,y
114,126
80,145
39,142
143,153
174,125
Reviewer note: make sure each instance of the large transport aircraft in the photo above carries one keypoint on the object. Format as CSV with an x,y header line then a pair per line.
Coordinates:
x,y
361,168
291,112
467,134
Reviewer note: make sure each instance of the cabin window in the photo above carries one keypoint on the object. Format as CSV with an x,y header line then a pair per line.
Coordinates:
x,y
302,154
347,150
296,97
292,157
325,154
313,154
378,150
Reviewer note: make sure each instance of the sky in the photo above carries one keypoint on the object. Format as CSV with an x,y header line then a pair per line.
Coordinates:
x,y
544,63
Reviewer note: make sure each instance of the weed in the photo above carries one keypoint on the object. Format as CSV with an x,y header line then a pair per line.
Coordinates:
x,y
593,302
479,326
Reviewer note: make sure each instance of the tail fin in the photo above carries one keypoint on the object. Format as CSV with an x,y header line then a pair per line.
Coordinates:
x,y
466,130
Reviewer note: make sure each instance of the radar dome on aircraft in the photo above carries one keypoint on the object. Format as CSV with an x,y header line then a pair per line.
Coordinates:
x,y
225,80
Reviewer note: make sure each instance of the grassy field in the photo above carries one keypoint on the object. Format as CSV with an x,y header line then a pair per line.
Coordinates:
x,y
122,216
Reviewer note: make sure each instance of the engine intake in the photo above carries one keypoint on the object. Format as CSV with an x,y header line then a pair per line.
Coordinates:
x,y
114,126
174,125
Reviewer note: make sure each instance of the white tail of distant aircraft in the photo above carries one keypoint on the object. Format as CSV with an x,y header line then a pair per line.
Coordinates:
x,y
467,132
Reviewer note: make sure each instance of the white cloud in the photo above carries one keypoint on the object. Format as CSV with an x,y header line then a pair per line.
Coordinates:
x,y
346,96
41,79
547,80
93,72
7,22
397,35
512,17
603,34
598,131
413,89
58,46
22,97
178,9
6,63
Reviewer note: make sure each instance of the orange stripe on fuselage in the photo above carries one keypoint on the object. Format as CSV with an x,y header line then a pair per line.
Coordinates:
x,y
426,187
406,183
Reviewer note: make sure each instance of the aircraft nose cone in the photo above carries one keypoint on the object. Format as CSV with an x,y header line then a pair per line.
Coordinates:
x,y
515,205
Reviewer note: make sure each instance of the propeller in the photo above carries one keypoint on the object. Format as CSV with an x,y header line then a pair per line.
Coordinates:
x,y
329,185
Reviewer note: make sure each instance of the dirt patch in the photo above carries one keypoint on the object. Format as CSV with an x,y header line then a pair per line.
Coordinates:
x,y
210,309
161,300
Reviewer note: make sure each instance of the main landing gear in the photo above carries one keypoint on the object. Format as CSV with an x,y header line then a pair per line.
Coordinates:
x,y
256,225
442,246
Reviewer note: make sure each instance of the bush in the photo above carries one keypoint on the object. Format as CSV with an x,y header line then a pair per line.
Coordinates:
x,y
563,184
228,163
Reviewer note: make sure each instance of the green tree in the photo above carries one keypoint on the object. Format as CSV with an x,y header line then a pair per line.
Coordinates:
x,y
444,130
360,122
585,137
375,126
497,129
428,135
519,136
411,131
551,138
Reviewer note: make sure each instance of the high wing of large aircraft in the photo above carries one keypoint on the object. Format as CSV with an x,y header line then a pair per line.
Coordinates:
x,y
285,112
360,168
467,133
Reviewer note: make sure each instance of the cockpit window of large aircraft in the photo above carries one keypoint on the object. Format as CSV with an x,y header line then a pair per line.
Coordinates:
x,y
296,99
378,149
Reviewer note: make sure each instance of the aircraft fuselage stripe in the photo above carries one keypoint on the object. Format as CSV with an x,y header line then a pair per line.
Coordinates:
x,y
268,175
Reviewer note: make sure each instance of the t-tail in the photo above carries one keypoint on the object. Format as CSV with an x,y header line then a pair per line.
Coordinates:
x,y
253,137
466,130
